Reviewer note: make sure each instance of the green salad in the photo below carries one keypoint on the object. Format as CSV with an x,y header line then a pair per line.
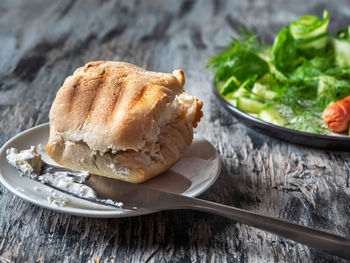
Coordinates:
x,y
291,82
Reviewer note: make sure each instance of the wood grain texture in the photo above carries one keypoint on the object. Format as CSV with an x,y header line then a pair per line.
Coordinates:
x,y
42,43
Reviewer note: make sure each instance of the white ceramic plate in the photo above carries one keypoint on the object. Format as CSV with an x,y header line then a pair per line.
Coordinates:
x,y
192,175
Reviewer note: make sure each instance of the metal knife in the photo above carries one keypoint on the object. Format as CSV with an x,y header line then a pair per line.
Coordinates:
x,y
136,196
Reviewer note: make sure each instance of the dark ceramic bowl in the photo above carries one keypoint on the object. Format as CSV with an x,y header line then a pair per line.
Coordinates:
x,y
327,142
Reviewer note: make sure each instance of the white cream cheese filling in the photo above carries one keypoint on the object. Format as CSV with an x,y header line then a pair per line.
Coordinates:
x,y
29,163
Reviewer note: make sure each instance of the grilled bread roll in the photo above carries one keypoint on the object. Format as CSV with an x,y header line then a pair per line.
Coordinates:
x,y
118,120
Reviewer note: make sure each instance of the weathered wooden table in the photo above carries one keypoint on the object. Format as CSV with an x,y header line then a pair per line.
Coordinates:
x,y
43,42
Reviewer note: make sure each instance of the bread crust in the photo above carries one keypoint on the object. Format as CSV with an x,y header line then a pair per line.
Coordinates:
x,y
121,121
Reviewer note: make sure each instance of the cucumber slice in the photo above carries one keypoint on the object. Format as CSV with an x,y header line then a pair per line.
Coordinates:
x,y
259,90
342,52
233,102
267,80
269,95
262,91
270,114
249,105
249,83
231,85
241,92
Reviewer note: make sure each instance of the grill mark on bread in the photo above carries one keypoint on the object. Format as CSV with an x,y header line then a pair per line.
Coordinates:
x,y
74,92
81,88
138,97
97,92
120,86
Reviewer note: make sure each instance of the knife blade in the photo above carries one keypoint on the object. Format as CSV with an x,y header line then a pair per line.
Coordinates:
x,y
110,192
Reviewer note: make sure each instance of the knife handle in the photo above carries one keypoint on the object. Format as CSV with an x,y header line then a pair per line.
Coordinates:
x,y
331,243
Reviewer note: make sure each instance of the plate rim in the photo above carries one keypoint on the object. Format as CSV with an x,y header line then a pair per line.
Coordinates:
x,y
95,213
